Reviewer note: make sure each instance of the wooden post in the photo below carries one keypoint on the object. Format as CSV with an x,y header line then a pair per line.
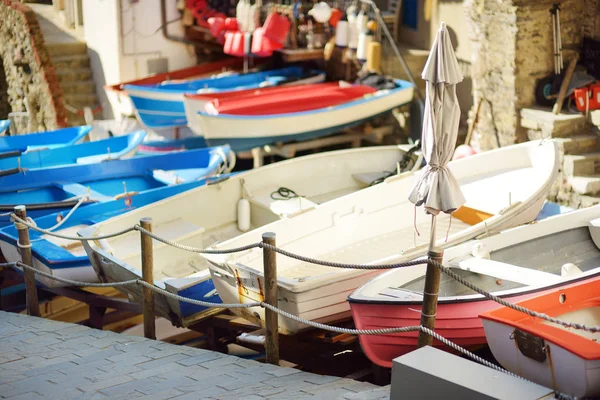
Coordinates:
x,y
148,276
33,305
271,317
430,296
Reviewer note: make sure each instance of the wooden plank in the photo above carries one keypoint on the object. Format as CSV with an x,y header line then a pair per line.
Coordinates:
x,y
96,300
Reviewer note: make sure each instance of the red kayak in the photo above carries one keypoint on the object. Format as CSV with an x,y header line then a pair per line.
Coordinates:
x,y
286,100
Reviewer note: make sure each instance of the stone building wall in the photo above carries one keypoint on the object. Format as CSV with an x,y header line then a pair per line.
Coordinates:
x,y
512,49
32,83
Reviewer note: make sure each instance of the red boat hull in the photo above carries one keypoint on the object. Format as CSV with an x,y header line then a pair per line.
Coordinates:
x,y
186,73
458,322
290,100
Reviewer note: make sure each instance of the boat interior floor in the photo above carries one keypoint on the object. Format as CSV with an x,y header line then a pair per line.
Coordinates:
x,y
381,246
546,254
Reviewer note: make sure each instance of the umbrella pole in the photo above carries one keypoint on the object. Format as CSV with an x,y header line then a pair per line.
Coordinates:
x,y
432,286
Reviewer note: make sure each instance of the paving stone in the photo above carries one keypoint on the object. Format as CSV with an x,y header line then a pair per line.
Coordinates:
x,y
27,396
167,394
320,379
126,387
106,383
201,358
36,359
43,369
157,370
283,371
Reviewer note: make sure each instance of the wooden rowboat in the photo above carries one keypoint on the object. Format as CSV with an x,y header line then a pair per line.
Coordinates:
x,y
203,216
503,188
515,264
246,122
121,102
564,359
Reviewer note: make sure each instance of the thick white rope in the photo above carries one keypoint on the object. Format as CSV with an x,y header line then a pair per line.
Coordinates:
x,y
448,271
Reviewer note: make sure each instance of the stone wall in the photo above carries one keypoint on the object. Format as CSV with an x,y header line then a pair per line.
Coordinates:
x,y
32,84
4,101
512,49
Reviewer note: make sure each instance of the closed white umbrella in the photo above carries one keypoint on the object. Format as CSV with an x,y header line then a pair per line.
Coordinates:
x,y
436,189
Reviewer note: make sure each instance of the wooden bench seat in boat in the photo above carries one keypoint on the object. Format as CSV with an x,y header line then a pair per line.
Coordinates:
x,y
174,229
480,207
509,272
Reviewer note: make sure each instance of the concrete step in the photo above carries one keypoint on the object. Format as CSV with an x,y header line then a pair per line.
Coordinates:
x,y
80,87
66,49
81,100
75,120
580,144
541,122
586,185
582,165
71,61
74,74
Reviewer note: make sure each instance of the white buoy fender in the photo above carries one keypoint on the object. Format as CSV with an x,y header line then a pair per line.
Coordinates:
x,y
243,215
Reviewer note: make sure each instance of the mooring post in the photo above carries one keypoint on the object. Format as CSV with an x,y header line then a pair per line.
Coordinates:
x,y
430,296
24,245
271,317
148,276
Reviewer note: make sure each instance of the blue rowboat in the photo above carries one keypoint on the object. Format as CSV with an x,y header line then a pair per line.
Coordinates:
x,y
160,106
43,140
4,124
66,258
50,190
82,153
162,146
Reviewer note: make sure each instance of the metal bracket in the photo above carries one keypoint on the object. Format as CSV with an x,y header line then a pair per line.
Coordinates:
x,y
530,345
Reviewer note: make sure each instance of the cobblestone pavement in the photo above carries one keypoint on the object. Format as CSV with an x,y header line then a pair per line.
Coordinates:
x,y
49,359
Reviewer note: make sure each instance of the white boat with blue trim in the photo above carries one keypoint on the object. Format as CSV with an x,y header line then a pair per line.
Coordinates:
x,y
160,106
206,215
312,112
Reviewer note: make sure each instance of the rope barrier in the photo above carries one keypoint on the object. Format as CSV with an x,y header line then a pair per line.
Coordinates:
x,y
21,224
283,313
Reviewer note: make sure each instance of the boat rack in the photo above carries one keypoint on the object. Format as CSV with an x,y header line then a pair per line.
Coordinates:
x,y
352,136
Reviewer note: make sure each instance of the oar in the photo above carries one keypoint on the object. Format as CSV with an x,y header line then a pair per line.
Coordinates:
x,y
45,206
9,154
11,171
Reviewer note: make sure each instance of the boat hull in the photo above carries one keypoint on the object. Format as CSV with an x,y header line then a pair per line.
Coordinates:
x,y
563,371
342,172
82,273
324,304
158,108
564,359
458,322
122,104
182,314
373,226
246,132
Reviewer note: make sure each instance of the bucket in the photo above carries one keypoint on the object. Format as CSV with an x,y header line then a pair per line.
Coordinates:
x,y
276,27
262,46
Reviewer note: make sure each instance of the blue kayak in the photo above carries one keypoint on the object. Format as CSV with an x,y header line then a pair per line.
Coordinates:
x,y
161,105
67,259
43,140
82,153
49,190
